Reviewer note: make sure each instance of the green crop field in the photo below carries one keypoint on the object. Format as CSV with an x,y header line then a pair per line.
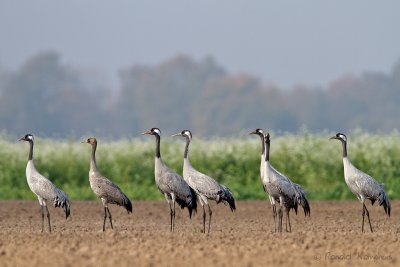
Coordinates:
x,y
309,159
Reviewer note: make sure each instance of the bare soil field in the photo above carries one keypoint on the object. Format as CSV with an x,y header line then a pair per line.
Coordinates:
x,y
331,237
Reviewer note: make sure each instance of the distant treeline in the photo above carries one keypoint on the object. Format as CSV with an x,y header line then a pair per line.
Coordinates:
x,y
49,97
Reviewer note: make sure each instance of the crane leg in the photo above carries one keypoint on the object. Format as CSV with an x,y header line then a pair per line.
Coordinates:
x,y
48,218
363,214
42,210
105,217
274,215
288,221
170,209
109,216
209,217
173,216
204,219
280,219
279,222
369,220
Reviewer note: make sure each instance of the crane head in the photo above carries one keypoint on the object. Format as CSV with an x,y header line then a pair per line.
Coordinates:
x,y
266,137
258,131
340,136
185,133
153,131
90,140
27,137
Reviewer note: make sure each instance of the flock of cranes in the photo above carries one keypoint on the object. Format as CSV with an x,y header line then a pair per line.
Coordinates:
x,y
194,187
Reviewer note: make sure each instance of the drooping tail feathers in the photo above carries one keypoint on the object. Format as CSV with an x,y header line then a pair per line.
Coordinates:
x,y
295,205
302,199
190,202
383,200
127,203
227,198
122,200
61,200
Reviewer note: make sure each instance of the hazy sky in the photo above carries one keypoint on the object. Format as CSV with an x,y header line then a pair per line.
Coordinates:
x,y
283,42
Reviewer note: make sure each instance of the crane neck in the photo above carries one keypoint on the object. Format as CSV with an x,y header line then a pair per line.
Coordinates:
x,y
93,165
267,147
30,150
158,153
262,145
186,155
344,145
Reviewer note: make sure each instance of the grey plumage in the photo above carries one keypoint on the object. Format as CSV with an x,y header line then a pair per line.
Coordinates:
x,y
170,184
280,188
107,191
205,187
361,184
43,188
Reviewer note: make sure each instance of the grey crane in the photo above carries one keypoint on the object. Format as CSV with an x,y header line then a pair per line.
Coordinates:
x,y
301,195
107,191
170,184
43,188
362,185
260,133
205,187
280,188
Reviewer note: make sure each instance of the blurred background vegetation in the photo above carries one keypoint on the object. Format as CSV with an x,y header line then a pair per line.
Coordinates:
x,y
48,97
309,159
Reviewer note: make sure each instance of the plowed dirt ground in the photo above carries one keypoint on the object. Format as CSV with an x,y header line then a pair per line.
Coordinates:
x,y
331,237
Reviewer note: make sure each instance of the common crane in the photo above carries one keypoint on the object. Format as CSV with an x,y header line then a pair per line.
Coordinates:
x,y
260,133
43,188
205,187
170,184
280,188
362,185
107,191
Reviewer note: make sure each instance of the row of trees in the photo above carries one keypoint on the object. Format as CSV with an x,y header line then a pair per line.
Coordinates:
x,y
48,97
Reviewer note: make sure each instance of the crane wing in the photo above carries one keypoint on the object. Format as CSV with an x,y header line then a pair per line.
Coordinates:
x,y
43,187
203,184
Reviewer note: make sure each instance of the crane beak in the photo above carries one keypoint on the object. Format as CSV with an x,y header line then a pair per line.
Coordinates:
x,y
84,142
177,134
333,137
253,132
146,132
22,139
